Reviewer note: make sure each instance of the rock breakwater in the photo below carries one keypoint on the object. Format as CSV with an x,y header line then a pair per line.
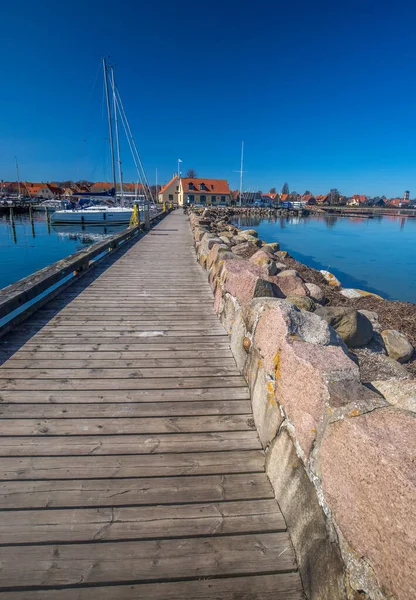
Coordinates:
x,y
340,454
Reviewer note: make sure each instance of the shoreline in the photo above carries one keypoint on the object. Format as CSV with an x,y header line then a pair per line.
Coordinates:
x,y
387,314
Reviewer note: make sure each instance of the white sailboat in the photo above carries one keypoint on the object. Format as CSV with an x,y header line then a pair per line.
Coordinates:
x,y
104,214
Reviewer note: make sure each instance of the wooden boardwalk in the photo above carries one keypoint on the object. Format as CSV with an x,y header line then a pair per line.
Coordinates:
x,y
130,467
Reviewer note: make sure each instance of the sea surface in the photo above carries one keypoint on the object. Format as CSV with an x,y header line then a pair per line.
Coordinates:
x,y
377,255
28,245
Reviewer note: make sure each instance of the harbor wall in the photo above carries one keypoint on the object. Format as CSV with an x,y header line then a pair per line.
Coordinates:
x,y
339,454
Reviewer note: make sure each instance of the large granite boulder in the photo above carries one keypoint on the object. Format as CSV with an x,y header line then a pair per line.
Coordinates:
x,y
398,392
244,250
397,345
302,302
369,483
245,281
272,247
353,327
266,261
316,293
290,283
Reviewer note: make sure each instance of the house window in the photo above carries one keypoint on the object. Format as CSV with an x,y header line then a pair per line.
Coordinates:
x,y
191,199
203,199
170,197
202,186
177,188
212,187
222,199
191,186
213,199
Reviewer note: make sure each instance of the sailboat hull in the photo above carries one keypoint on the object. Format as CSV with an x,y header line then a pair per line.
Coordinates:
x,y
96,216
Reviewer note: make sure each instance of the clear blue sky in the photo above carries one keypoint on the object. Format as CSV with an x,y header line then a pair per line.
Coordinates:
x,y
323,93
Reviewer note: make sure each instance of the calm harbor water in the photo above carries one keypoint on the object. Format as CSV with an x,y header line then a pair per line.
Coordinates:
x,y
376,254
26,246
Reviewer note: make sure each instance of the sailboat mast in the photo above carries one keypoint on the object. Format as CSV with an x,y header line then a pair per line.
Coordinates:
x,y
241,172
110,127
18,178
120,174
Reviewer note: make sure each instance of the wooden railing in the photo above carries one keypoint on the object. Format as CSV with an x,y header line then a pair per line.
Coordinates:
x,y
17,295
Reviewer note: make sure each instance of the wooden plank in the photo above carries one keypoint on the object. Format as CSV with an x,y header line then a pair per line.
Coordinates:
x,y
132,492
161,356
115,373
57,565
125,396
105,363
178,383
140,522
153,465
125,409
281,586
122,426
88,445
142,345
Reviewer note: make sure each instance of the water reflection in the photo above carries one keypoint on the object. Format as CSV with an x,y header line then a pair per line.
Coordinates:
x,y
375,254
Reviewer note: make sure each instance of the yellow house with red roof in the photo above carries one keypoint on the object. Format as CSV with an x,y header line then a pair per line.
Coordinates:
x,y
195,190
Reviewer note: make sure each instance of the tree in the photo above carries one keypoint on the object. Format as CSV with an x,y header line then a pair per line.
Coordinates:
x,y
307,193
285,188
191,173
272,190
334,196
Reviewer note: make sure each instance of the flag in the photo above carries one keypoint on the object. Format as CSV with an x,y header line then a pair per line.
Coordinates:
x,y
179,160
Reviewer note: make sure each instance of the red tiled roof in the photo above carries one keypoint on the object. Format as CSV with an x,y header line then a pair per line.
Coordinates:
x,y
213,186
165,187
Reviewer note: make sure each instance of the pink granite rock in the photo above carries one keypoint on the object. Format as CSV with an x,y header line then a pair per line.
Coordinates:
x,y
244,281
369,482
290,284
294,347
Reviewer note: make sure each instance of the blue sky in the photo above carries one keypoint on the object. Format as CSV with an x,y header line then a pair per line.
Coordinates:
x,y
322,93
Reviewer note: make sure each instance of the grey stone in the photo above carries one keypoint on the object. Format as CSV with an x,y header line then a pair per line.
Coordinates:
x,y
397,345
376,366
250,232
289,273
302,302
398,392
350,293
274,247
353,327
244,250
316,293
318,556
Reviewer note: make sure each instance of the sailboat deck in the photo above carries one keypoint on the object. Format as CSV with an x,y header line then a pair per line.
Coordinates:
x,y
129,462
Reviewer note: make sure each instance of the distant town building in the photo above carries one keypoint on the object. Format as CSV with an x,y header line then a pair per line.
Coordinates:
x,y
357,200
406,197
192,190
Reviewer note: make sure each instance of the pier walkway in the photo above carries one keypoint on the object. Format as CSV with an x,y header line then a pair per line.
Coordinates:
x,y
130,466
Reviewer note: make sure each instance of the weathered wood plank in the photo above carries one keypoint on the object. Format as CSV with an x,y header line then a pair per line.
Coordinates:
x,y
125,396
153,465
94,524
132,492
164,356
121,426
281,586
145,560
162,443
124,409
116,373
121,384
105,363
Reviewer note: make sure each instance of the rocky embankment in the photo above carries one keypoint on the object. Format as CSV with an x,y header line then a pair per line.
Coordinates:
x,y
334,406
